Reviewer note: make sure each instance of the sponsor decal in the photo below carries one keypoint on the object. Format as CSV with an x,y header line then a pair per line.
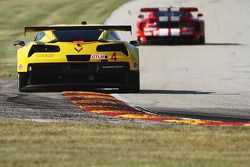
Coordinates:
x,y
98,56
135,65
20,67
46,55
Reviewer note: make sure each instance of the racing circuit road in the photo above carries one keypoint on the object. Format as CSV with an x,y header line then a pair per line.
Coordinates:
x,y
211,81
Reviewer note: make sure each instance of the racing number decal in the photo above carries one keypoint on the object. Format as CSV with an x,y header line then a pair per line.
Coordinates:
x,y
113,57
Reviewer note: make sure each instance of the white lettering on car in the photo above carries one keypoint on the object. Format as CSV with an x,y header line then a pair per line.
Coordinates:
x,y
98,56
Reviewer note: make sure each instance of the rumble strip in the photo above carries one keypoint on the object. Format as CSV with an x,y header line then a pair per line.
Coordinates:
x,y
105,104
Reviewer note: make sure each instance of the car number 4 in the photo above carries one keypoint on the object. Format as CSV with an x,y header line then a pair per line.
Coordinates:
x,y
114,57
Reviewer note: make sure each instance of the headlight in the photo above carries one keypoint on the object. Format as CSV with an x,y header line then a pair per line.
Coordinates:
x,y
43,48
112,48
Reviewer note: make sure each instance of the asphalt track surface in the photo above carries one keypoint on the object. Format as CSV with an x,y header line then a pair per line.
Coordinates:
x,y
210,81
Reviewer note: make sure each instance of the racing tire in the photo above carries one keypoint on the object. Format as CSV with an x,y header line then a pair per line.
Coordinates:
x,y
202,40
139,39
22,80
134,84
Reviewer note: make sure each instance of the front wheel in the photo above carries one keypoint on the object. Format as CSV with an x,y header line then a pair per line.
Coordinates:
x,y
139,39
22,79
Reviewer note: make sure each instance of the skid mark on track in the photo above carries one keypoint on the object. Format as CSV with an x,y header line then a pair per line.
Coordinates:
x,y
105,104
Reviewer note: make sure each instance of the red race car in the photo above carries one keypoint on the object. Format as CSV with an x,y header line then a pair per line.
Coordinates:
x,y
171,25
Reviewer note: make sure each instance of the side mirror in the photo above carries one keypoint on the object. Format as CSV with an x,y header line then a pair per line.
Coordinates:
x,y
135,43
141,16
199,15
19,43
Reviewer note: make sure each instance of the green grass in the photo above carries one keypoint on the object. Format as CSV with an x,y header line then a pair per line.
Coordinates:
x,y
16,14
25,143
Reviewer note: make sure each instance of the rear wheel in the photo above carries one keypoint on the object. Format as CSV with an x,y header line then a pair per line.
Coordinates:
x,y
139,39
22,79
135,89
202,40
133,85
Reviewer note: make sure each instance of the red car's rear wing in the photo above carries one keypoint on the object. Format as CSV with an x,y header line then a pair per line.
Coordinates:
x,y
187,9
77,27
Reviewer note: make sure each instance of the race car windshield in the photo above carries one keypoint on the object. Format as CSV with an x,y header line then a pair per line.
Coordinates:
x,y
77,35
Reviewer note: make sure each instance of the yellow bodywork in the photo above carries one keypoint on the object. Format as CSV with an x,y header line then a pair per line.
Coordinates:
x,y
74,48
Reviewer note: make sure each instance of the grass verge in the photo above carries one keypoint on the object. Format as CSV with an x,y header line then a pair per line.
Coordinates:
x,y
25,143
17,14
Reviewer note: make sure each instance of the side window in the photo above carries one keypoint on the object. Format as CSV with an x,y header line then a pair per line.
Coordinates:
x,y
39,36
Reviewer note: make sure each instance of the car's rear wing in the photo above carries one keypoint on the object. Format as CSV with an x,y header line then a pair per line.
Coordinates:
x,y
186,9
78,27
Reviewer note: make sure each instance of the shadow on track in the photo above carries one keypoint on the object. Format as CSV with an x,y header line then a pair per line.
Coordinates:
x,y
223,44
190,44
110,91
174,92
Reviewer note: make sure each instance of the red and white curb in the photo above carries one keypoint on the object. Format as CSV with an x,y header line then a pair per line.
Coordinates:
x,y
105,104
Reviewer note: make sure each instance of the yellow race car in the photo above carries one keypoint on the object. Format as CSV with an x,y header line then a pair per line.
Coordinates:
x,y
78,56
